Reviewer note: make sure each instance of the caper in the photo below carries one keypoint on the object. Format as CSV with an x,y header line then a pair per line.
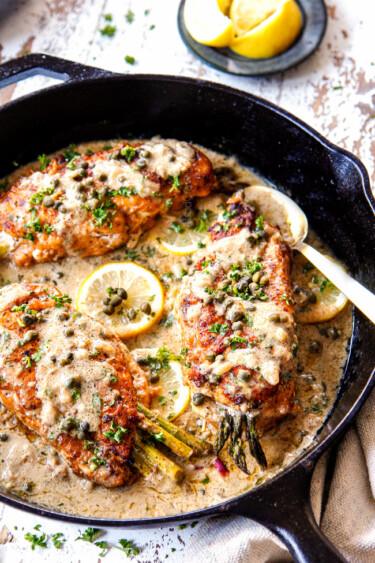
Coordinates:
x,y
57,204
131,314
68,424
207,299
109,310
60,275
210,356
144,153
172,158
48,201
31,335
198,399
62,209
28,319
283,319
122,293
72,382
238,325
81,435
311,296
115,301
219,358
53,359
264,280
315,347
246,279
55,182
257,276
141,163
4,437
213,378
250,308
67,360
84,426
189,261
146,308
89,182
106,301
235,315
253,287
243,374
154,378
82,197
274,318
84,165
63,317
220,297
334,333
102,177
104,191
93,203
69,332
241,286
229,302
226,341
251,239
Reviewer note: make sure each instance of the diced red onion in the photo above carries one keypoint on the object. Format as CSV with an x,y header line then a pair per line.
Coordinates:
x,y
219,465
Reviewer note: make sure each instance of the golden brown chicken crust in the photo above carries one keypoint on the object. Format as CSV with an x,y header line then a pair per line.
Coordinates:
x,y
32,225
272,402
18,392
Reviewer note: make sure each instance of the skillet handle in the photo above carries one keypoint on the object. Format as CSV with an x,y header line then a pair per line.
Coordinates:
x,y
284,507
46,65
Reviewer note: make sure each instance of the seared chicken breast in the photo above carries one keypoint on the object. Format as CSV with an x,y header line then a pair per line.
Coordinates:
x,y
237,320
89,204
70,380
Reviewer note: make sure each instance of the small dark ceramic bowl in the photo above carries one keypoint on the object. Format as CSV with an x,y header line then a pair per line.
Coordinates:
x,y
314,16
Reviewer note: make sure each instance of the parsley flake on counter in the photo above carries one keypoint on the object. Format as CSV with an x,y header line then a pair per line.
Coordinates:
x,y
108,30
103,546
129,16
35,540
128,547
129,59
89,535
58,539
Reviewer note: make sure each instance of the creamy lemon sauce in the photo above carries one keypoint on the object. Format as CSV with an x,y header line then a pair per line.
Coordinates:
x,y
32,469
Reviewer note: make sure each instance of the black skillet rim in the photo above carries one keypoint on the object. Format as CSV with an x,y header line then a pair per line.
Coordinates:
x,y
314,451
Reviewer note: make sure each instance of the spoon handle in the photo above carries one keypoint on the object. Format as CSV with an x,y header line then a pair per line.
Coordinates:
x,y
362,298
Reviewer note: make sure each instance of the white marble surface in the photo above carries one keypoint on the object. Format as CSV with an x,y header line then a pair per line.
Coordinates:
x,y
334,91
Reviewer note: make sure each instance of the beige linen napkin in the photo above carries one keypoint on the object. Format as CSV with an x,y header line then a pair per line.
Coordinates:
x,y
348,518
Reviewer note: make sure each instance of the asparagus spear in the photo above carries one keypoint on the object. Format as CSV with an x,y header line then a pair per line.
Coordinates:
x,y
141,463
254,443
195,443
178,447
235,447
159,460
222,433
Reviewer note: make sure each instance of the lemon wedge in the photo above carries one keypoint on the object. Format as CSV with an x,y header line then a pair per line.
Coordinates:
x,y
266,37
140,306
207,24
172,235
319,300
173,396
224,6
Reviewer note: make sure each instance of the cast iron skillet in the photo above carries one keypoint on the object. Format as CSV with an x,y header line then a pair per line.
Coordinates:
x,y
331,185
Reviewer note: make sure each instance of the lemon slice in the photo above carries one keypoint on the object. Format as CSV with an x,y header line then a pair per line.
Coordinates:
x,y
173,396
136,313
324,301
224,6
172,235
271,36
207,24
245,15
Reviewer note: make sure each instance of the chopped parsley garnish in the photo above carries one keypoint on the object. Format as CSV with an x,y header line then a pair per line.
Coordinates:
x,y
177,227
35,540
4,184
308,267
108,30
169,203
127,192
29,236
238,340
161,359
60,300
259,223
76,394
159,437
44,161
176,184
129,59
116,433
183,273
96,462
218,328
27,361
129,16
70,153
58,540
206,480
229,214
37,198
103,546
162,400
96,402
326,283
89,535
102,214
128,152
204,219
128,548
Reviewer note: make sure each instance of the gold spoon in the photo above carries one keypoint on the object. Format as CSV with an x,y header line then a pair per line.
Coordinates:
x,y
298,227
